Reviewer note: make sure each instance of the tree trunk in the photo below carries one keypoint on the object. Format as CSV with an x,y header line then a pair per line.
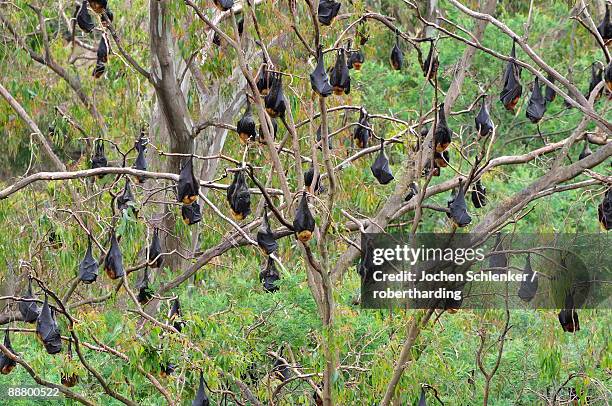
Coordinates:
x,y
172,104
225,107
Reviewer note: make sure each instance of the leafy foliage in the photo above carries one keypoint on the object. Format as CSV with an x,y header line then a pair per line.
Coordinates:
x,y
230,322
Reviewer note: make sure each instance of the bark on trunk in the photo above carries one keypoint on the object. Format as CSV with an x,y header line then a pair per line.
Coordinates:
x,y
171,102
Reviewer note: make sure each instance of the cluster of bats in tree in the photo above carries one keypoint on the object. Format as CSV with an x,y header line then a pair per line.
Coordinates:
x,y
47,329
85,22
335,80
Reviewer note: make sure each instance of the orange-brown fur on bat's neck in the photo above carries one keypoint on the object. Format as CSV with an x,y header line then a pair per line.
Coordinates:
x,y
442,147
441,162
111,274
457,225
236,216
244,137
7,369
96,8
271,112
510,106
304,235
189,199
